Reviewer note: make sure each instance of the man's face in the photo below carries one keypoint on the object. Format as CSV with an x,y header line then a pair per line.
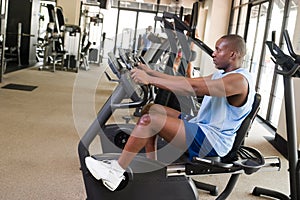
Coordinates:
x,y
222,54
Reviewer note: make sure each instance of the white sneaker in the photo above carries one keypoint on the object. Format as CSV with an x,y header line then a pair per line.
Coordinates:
x,y
108,170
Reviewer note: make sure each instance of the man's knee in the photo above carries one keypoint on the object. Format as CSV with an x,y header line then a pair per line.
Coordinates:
x,y
144,120
150,113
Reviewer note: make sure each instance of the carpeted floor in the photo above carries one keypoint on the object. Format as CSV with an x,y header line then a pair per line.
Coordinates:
x,y
40,131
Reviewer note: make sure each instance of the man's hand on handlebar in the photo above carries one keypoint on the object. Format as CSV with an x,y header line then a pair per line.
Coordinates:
x,y
143,67
140,76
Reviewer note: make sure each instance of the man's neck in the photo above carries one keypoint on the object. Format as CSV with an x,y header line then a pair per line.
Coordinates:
x,y
230,69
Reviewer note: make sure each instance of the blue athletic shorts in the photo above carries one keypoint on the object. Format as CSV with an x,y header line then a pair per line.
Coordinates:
x,y
198,144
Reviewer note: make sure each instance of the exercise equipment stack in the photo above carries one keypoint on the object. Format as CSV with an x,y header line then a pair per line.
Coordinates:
x,y
91,23
72,35
61,43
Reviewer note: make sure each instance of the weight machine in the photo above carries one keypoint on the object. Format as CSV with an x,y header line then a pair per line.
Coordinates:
x,y
17,35
91,23
61,43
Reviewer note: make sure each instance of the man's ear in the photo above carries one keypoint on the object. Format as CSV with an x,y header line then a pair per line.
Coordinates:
x,y
233,54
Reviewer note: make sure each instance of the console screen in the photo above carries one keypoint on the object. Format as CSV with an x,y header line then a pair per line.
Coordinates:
x,y
114,64
124,58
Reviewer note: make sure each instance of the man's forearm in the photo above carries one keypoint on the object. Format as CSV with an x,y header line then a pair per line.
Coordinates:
x,y
175,84
155,73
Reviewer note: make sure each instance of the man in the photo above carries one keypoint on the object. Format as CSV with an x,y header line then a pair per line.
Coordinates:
x,y
145,42
229,94
190,68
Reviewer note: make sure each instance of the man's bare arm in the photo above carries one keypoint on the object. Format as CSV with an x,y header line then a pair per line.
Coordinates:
x,y
177,84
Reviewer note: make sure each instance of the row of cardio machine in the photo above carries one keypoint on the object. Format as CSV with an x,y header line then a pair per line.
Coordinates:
x,y
170,176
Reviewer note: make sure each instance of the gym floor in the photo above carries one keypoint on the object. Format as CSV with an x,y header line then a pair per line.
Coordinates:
x,y
40,130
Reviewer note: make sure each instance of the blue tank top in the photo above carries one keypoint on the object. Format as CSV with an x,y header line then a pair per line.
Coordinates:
x,y
219,120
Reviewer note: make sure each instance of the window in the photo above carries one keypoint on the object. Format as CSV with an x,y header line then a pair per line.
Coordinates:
x,y
250,18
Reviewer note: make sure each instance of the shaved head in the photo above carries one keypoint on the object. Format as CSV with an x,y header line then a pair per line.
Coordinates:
x,y
237,43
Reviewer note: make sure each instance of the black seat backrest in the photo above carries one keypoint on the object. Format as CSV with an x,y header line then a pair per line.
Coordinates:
x,y
243,130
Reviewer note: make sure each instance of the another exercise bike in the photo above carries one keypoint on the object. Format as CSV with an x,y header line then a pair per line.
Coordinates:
x,y
290,67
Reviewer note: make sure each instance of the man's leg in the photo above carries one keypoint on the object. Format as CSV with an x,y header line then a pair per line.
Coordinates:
x,y
151,145
157,108
149,126
152,124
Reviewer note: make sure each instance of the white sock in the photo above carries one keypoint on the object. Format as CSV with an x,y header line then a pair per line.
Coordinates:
x,y
117,166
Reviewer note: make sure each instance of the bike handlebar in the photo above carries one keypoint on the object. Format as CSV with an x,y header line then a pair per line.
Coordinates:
x,y
290,47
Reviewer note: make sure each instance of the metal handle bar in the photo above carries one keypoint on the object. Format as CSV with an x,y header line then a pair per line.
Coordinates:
x,y
290,47
133,104
290,72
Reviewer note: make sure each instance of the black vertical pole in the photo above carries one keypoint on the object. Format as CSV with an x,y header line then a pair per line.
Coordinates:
x,y
291,134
